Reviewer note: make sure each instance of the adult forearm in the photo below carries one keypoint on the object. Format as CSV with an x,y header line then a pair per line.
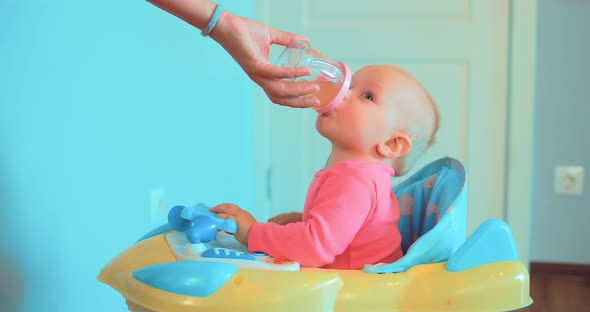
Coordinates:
x,y
194,12
248,42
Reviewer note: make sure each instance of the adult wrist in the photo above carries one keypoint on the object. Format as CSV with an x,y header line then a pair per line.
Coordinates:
x,y
212,21
221,30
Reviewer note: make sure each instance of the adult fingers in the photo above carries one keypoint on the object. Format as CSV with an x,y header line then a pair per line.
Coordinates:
x,y
296,102
284,37
284,89
271,71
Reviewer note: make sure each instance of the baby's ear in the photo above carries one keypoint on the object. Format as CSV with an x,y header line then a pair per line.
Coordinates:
x,y
398,145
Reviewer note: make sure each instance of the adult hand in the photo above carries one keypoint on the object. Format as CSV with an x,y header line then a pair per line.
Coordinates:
x,y
248,42
286,218
243,219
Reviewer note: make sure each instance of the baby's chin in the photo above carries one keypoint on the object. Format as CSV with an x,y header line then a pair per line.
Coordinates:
x,y
322,128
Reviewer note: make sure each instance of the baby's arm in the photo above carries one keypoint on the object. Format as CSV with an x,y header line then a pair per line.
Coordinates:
x,y
244,219
340,210
286,218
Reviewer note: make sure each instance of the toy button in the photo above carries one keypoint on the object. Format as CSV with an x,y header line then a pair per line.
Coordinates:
x,y
279,261
259,254
224,253
195,248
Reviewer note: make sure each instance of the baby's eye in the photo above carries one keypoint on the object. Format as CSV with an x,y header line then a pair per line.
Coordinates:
x,y
368,96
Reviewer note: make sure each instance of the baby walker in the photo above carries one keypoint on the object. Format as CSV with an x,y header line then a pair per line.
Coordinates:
x,y
187,265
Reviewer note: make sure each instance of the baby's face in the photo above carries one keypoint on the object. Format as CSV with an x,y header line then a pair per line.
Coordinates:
x,y
379,103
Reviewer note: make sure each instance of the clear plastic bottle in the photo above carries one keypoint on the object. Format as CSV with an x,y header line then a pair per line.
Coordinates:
x,y
332,77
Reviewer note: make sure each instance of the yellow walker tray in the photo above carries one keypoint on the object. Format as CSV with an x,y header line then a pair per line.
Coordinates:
x,y
441,270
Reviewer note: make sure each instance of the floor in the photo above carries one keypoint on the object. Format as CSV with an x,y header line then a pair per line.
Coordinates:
x,y
559,292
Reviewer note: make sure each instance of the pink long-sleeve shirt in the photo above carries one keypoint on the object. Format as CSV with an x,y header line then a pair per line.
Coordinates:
x,y
349,220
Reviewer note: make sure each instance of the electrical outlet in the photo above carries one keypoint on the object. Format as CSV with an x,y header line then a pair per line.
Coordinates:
x,y
158,213
569,180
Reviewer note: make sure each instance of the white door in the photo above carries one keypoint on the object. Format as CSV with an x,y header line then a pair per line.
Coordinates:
x,y
457,48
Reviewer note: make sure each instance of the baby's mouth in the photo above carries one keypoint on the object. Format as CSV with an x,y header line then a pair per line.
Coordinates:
x,y
326,114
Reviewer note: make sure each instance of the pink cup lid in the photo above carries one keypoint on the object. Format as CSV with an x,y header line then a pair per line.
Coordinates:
x,y
340,95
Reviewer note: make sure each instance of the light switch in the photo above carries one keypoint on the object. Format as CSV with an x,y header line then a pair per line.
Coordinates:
x,y
569,180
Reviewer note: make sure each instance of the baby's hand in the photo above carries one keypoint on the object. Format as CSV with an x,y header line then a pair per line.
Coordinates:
x,y
242,217
286,218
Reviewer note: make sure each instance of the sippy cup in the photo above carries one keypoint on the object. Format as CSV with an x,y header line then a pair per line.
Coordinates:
x,y
332,77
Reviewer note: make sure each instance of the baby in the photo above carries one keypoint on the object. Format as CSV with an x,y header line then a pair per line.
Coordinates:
x,y
384,124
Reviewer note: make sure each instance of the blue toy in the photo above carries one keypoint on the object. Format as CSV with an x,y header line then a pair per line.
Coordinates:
x,y
200,224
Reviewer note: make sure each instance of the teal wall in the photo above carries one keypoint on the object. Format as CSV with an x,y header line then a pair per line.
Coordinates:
x,y
100,103
559,227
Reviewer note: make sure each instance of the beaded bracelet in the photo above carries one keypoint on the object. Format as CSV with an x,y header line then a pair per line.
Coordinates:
x,y
213,21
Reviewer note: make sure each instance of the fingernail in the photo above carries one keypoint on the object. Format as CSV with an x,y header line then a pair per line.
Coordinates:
x,y
313,101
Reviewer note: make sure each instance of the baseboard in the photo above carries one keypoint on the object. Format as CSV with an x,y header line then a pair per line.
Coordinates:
x,y
581,270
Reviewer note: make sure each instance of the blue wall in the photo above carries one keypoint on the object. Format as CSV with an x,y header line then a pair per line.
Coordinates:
x,y
559,222
101,102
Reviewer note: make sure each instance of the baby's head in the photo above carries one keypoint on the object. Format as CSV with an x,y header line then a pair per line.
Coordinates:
x,y
386,115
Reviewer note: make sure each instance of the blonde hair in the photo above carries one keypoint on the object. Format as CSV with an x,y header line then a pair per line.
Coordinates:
x,y
421,140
